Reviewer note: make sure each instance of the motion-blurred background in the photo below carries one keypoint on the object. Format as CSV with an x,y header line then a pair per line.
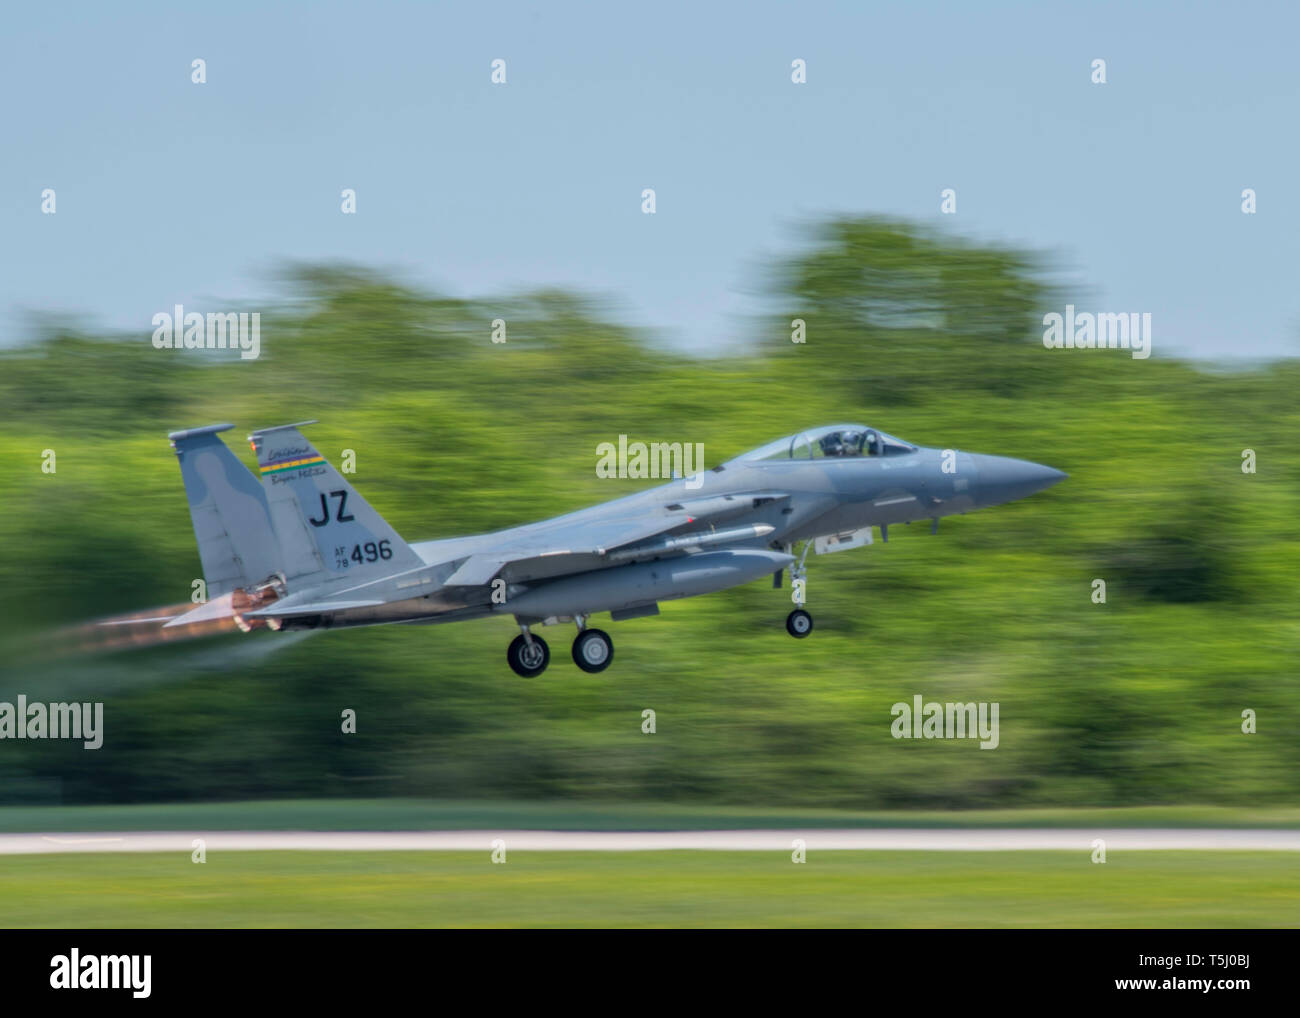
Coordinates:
x,y
1137,700
776,200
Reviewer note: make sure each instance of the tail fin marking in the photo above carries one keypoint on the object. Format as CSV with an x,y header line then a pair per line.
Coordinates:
x,y
326,529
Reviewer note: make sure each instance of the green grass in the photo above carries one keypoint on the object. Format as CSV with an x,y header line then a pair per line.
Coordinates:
x,y
652,889
417,814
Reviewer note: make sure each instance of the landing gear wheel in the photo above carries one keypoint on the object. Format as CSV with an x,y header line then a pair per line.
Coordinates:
x,y
593,650
528,661
798,623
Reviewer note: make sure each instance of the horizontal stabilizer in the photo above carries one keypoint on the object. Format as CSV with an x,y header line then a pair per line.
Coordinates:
x,y
476,571
284,611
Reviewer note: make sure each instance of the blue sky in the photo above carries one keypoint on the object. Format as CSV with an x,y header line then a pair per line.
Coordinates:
x,y
174,192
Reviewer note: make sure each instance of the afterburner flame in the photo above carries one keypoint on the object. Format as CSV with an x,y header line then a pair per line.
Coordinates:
x,y
136,630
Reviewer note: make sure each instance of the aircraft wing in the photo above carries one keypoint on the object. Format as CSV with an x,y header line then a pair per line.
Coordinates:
x,y
577,544
568,549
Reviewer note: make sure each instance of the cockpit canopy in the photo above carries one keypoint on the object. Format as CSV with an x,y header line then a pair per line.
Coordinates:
x,y
834,441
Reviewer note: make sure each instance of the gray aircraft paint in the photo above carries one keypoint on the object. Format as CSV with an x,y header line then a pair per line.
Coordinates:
x,y
322,519
232,523
728,525
644,583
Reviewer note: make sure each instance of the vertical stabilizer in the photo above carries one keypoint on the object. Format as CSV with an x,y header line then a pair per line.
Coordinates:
x,y
326,529
229,510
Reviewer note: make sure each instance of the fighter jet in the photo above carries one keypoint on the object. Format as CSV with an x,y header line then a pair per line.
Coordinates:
x,y
299,548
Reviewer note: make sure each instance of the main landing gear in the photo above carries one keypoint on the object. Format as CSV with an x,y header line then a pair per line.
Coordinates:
x,y
593,650
528,654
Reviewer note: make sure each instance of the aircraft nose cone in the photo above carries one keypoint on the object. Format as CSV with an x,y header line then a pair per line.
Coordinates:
x,y
1003,479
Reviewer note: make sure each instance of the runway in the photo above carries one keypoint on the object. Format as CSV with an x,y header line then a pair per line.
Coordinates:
x,y
815,840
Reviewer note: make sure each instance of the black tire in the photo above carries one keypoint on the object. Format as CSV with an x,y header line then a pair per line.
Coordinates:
x,y
593,650
525,661
798,623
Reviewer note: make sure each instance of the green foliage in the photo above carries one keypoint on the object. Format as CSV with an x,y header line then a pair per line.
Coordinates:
x,y
1134,701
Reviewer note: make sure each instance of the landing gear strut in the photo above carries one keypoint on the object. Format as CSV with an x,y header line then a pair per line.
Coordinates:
x,y
528,655
593,650
799,623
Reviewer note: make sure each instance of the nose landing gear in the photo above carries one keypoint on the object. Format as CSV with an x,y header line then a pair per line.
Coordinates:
x,y
799,623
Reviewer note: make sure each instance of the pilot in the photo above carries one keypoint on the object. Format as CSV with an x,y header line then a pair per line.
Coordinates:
x,y
831,445
841,443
